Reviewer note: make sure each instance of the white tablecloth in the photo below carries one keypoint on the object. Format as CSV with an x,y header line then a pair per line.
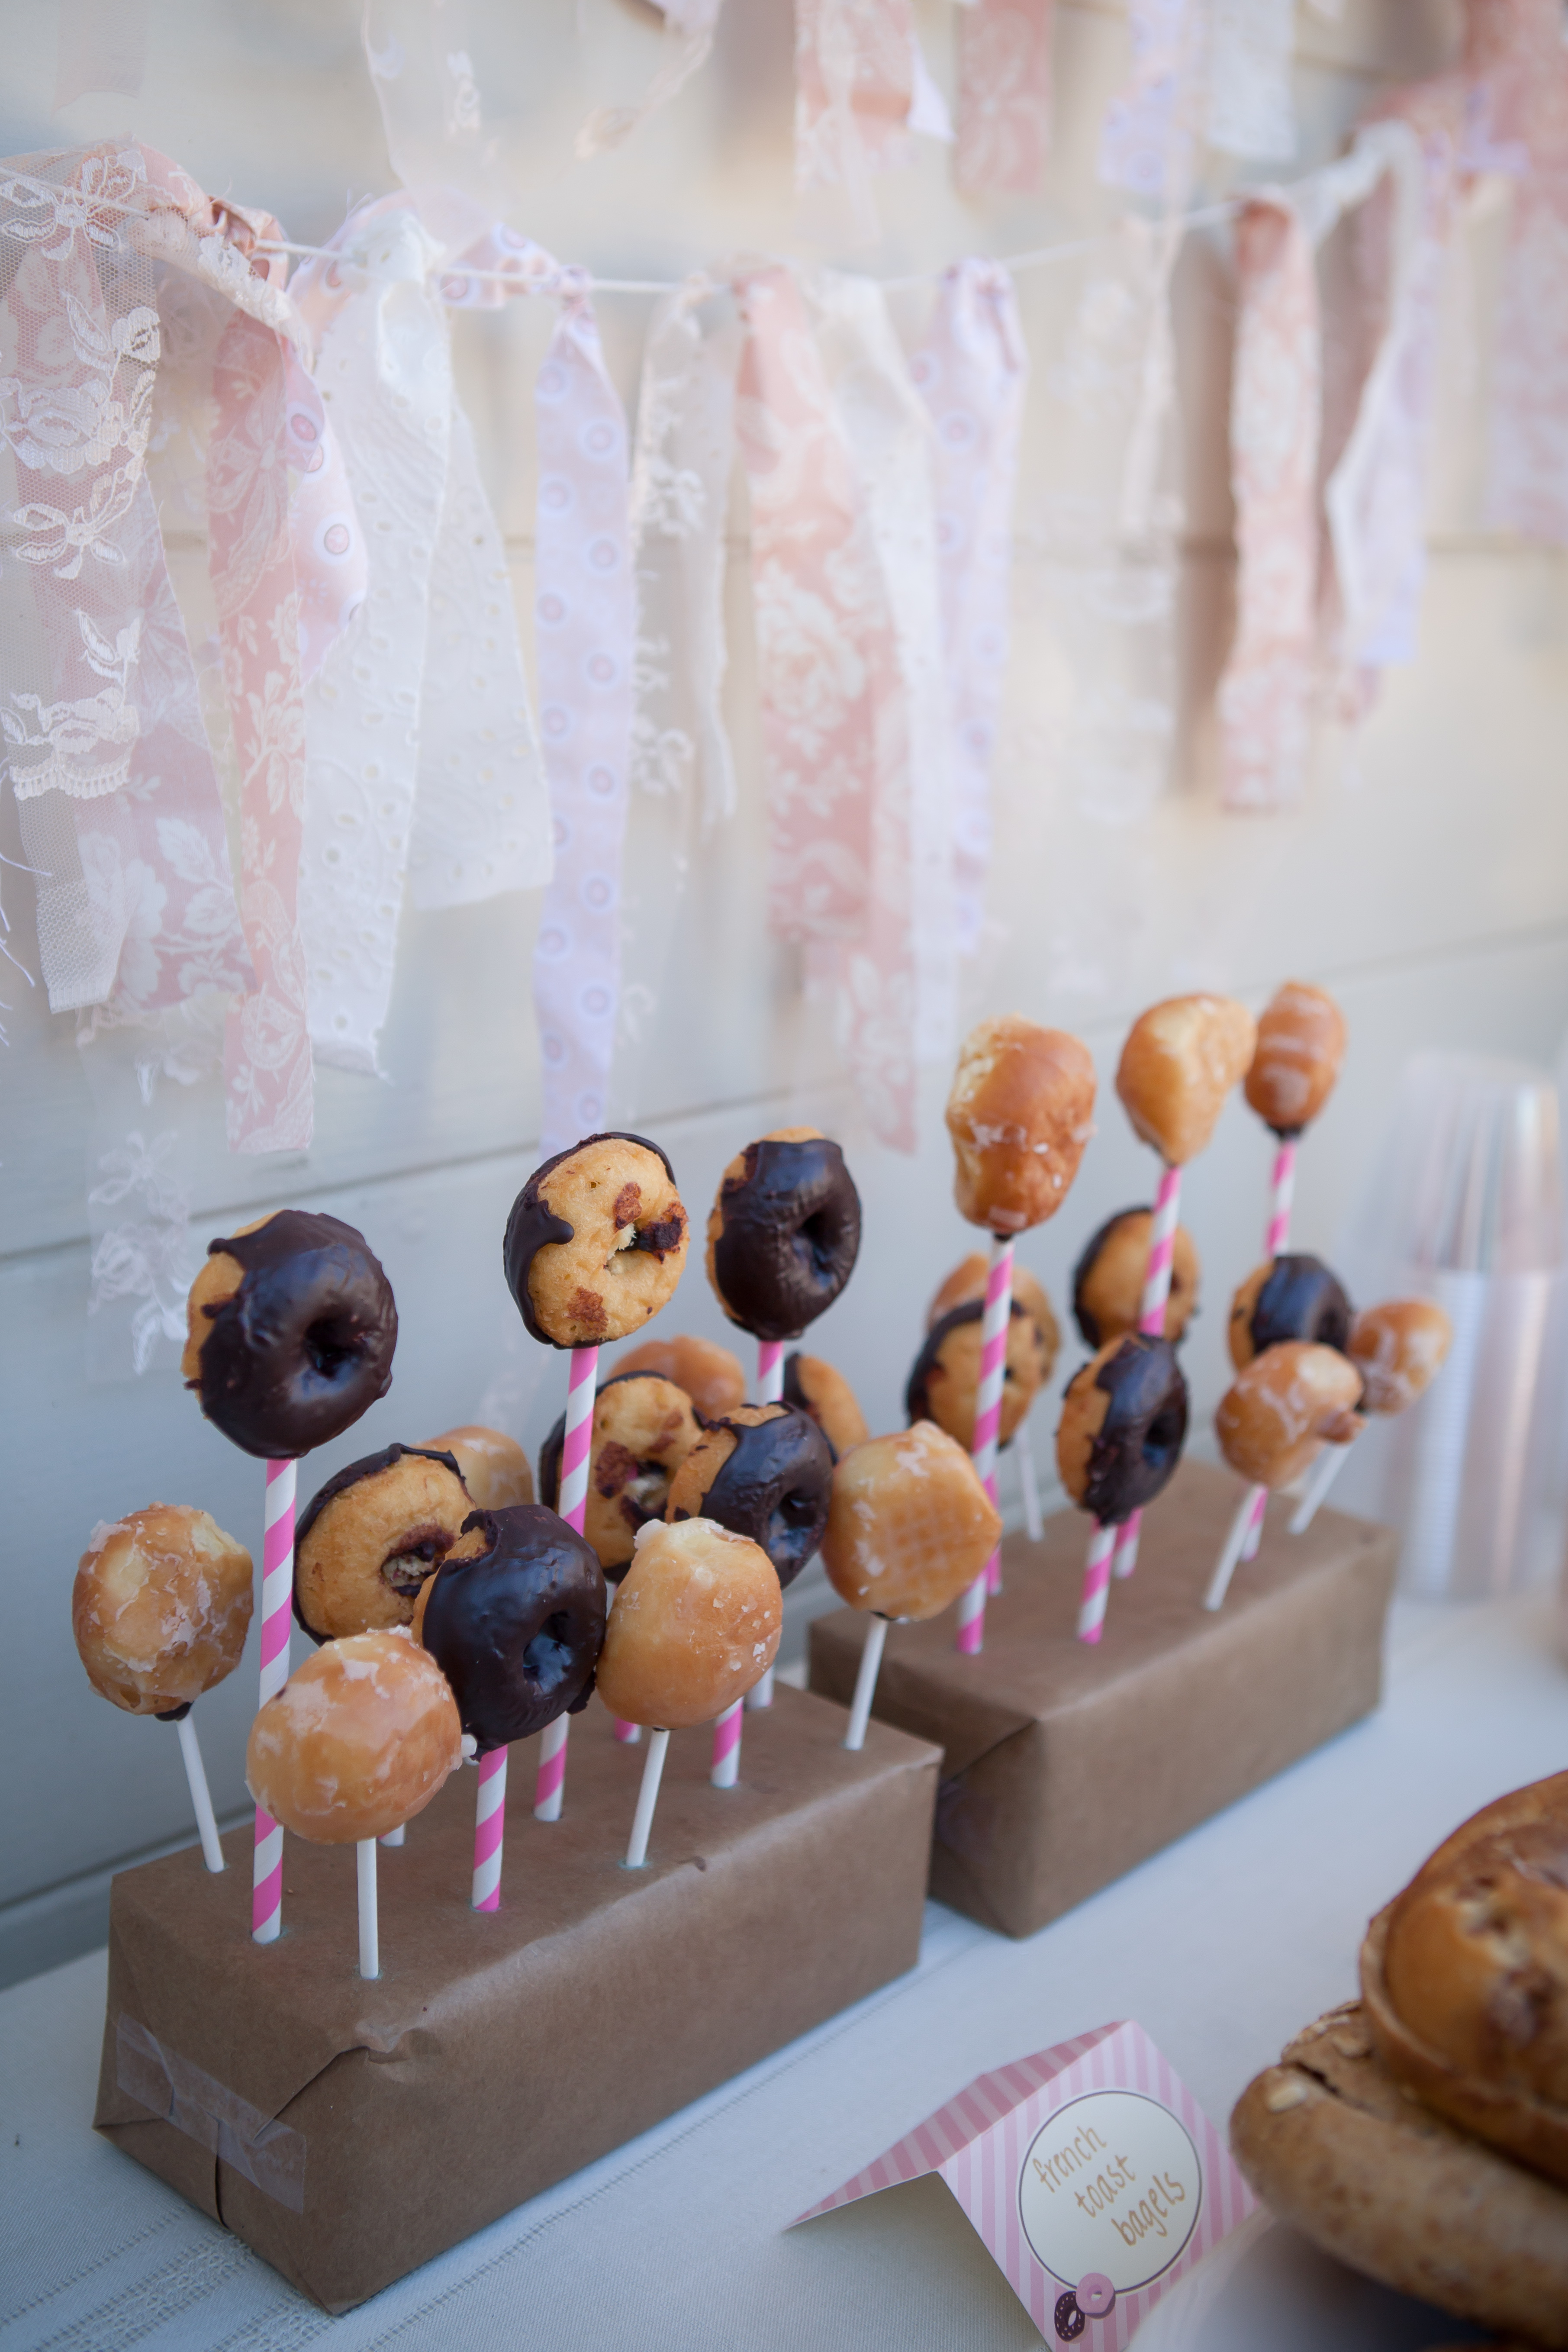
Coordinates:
x,y
1221,1947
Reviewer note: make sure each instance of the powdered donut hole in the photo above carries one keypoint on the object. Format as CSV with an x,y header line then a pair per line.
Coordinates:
x,y
1020,1114
1289,1401
710,1375
911,1525
1181,1059
595,1242
696,1621
492,1467
357,1741
160,1608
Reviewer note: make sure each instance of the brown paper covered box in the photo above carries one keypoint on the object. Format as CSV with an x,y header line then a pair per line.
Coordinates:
x,y
1065,1766
351,2131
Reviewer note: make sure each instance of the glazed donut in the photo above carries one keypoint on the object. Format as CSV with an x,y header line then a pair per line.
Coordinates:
x,y
1288,1403
1398,1349
292,1332
813,1386
160,1608
514,1617
493,1468
356,1742
1300,1044
766,1471
1181,1060
910,1525
696,1623
369,1538
1124,1424
644,1428
595,1240
710,1375
943,1385
783,1232
1292,1297
1108,1280
1020,1113
968,1281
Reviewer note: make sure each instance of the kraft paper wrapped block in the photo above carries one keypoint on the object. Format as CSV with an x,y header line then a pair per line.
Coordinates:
x,y
1065,1765
349,2131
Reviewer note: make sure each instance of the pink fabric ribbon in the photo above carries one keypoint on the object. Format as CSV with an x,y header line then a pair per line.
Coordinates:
x,y
861,87
1264,698
1003,96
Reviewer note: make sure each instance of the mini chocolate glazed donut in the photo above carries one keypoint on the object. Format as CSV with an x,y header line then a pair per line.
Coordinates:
x,y
516,1626
644,1428
1293,1297
765,1472
1108,1280
292,1328
595,1240
371,1537
784,1233
1124,1421
944,1383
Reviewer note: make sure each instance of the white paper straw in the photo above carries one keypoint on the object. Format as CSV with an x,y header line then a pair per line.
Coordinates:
x,y
647,1798
761,1692
394,1837
201,1800
1225,1566
865,1682
1030,1487
1325,1470
369,1931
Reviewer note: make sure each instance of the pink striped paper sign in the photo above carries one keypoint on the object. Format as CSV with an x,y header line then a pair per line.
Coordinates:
x,y
1091,2174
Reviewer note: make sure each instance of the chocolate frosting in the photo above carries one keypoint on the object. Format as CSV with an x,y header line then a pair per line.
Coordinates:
x,y
1300,1300
304,1345
1086,1322
917,1392
789,1236
1140,1439
775,1487
518,1631
339,1484
533,1225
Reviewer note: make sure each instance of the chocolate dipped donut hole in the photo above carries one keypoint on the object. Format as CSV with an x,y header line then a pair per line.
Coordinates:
x,y
1020,1113
1289,1402
1181,1059
356,1742
968,1280
710,1375
696,1621
783,1232
911,1525
812,1385
765,1472
644,1429
1108,1280
292,1332
1289,1297
1300,1044
515,1620
160,1608
595,1240
491,1466
943,1385
1124,1424
370,1537
1399,1348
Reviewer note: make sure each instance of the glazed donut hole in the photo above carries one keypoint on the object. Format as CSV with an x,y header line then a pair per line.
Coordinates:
x,y
1020,1114
1181,1059
370,1538
710,1374
910,1525
967,1282
1296,1062
596,1242
1290,1298
1108,1280
1288,1403
1124,1424
357,1741
492,1467
1399,1348
696,1621
814,1386
644,1429
783,1232
944,1385
160,1608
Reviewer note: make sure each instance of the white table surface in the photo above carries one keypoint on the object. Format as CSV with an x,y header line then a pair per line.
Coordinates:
x,y
1221,1947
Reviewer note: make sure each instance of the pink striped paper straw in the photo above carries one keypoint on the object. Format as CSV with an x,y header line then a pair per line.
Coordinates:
x,y
769,1390
726,1769
489,1829
1156,1297
277,1600
576,1443
1095,1583
1281,1198
997,1315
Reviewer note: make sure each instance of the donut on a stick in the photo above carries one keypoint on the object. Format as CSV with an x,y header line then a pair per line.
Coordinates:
x,y
813,1385
492,1467
1124,1422
1273,1421
710,1375
1399,1348
966,1284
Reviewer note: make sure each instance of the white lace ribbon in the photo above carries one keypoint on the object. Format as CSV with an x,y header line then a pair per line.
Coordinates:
x,y
690,27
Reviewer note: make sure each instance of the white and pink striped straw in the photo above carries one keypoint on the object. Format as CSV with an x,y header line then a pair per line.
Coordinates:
x,y
970,1639
725,1771
1276,1240
489,1830
1157,1267
277,1603
1096,1582
576,1446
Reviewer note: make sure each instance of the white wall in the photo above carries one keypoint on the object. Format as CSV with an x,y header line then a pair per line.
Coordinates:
x,y
1424,880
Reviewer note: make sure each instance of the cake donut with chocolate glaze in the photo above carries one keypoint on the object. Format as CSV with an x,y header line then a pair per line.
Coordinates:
x,y
291,1333
1124,1422
968,1280
943,1385
766,1471
367,1540
1181,1059
783,1232
515,1620
491,1466
710,1375
595,1240
357,1741
1020,1114
644,1429
1289,1297
911,1525
1108,1280
812,1385
1300,1044
1287,1404
160,1609
696,1623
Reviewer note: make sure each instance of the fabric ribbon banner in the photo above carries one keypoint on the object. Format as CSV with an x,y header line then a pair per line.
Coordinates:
x,y
1003,96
